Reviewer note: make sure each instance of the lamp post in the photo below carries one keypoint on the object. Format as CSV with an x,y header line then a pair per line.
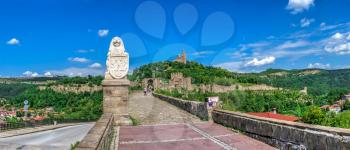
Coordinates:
x,y
25,108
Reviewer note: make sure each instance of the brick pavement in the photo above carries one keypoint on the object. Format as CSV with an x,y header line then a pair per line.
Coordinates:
x,y
166,127
203,136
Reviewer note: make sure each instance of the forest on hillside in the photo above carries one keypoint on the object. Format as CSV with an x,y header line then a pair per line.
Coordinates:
x,y
82,106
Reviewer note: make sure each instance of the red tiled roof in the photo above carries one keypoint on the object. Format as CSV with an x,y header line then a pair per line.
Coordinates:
x,y
39,118
274,116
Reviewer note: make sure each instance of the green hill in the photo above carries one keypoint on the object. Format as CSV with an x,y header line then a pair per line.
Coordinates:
x,y
330,84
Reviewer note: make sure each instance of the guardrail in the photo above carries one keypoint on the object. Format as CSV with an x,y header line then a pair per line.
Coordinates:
x,y
30,124
100,136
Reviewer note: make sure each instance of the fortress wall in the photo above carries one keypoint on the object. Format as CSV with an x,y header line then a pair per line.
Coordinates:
x,y
196,108
284,134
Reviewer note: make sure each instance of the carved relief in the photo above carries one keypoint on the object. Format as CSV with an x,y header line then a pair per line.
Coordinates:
x,y
117,60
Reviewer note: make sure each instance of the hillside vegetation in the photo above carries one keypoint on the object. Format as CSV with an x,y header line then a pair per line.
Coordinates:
x,y
329,85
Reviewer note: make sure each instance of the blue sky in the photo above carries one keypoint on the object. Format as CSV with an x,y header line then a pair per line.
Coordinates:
x,y
65,37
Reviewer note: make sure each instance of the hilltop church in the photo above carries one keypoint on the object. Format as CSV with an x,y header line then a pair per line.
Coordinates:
x,y
181,58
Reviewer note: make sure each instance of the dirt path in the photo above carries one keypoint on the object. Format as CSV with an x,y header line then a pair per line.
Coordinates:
x,y
150,110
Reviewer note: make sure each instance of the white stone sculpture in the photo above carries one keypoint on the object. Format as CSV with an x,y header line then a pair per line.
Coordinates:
x,y
117,60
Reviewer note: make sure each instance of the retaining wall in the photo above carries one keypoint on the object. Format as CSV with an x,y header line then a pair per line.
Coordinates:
x,y
196,108
285,135
100,136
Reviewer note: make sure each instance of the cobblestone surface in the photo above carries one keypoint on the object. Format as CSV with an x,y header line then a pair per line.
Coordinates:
x,y
150,110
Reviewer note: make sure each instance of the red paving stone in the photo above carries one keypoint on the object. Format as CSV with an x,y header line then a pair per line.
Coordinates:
x,y
243,142
181,137
204,144
213,129
157,132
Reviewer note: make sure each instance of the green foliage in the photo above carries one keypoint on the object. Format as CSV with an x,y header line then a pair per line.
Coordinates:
x,y
325,86
8,90
87,106
198,72
90,80
134,121
314,115
73,146
346,105
13,120
286,102
135,88
225,81
343,120
328,83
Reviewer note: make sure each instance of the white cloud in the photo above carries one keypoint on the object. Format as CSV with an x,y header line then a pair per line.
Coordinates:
x,y
341,49
233,66
95,65
73,71
79,59
306,22
338,44
202,53
323,24
103,32
348,38
31,74
338,36
256,62
290,44
85,50
48,74
319,66
298,6
13,41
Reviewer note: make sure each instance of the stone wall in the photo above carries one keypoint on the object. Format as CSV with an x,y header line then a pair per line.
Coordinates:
x,y
196,108
284,134
100,136
72,88
224,89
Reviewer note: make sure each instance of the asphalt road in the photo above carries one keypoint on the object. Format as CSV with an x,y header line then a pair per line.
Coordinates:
x,y
58,139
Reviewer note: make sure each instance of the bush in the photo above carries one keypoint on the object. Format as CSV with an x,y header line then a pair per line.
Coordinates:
x,y
313,115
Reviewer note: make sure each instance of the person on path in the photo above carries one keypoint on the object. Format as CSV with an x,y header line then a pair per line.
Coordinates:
x,y
145,91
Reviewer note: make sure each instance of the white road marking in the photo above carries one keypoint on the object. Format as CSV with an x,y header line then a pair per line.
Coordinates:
x,y
213,139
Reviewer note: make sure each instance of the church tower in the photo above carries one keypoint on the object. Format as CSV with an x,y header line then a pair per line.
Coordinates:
x,y
183,57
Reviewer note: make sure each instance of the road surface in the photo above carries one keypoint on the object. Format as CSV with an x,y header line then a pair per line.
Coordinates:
x,y
59,139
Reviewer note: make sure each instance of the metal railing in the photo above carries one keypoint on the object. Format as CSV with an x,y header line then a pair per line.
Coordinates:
x,y
30,124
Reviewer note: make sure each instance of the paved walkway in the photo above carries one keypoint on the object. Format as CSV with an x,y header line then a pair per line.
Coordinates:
x,y
169,128
201,136
150,110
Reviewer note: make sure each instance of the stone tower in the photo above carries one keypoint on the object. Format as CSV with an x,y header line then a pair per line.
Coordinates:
x,y
181,58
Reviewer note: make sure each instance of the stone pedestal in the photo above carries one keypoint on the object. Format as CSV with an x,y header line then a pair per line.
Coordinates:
x,y
115,99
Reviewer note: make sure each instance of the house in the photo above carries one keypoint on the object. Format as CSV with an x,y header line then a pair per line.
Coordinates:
x,y
335,108
347,97
4,113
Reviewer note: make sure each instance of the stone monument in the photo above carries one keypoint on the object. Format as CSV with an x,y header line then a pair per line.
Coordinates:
x,y
115,85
